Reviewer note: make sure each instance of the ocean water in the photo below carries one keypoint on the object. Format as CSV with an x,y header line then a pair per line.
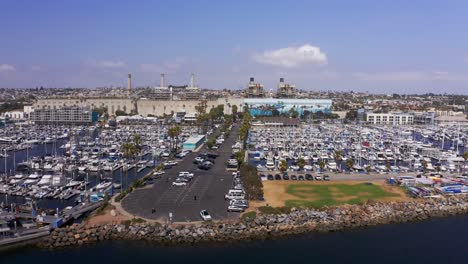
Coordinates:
x,y
443,240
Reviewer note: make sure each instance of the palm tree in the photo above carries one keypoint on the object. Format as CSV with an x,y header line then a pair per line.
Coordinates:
x,y
349,164
424,165
128,150
234,112
174,133
368,169
137,141
337,156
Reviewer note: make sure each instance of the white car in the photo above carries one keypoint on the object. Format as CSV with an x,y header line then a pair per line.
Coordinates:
x,y
186,174
205,215
199,159
179,183
233,208
156,173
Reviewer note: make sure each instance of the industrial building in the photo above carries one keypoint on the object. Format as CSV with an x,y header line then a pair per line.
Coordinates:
x,y
177,92
64,115
255,90
390,118
286,90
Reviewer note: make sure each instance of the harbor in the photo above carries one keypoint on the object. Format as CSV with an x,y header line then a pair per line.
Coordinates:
x,y
53,176
347,148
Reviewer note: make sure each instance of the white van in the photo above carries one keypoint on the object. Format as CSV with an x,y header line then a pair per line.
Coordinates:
x,y
235,194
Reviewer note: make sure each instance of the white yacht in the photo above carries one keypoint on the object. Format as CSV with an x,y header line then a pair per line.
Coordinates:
x,y
270,164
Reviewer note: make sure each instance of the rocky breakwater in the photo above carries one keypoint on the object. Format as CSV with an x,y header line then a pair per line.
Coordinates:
x,y
263,225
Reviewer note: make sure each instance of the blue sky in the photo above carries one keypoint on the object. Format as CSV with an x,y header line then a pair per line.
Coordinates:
x,y
377,46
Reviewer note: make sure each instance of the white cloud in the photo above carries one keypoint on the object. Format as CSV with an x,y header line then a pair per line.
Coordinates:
x,y
105,64
411,76
291,57
6,67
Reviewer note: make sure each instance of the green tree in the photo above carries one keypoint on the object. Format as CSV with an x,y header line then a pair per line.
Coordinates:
x,y
120,113
301,163
283,166
388,167
239,156
173,133
137,141
337,156
252,183
322,165
349,163
202,117
128,150
210,143
424,165
351,115
234,112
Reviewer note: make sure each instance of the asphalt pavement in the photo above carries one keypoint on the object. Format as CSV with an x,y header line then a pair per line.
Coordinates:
x,y
205,192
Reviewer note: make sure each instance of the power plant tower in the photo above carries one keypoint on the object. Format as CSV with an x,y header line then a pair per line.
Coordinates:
x,y
129,82
162,81
192,81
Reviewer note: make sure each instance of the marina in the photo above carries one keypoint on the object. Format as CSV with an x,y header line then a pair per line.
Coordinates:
x,y
54,175
347,148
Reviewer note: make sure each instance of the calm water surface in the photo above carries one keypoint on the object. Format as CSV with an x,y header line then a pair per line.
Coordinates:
x,y
434,241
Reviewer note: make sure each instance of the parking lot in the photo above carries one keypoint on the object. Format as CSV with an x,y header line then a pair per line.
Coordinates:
x,y
205,192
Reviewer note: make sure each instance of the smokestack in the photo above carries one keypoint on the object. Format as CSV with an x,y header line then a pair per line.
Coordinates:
x,y
192,81
281,80
162,80
252,79
129,82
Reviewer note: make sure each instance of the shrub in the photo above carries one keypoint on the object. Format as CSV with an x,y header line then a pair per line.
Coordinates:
x,y
250,216
275,210
252,182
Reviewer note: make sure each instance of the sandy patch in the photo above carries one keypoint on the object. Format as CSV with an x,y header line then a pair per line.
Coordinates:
x,y
105,217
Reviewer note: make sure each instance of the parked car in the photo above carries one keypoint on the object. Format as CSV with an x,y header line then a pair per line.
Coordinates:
x,y
160,172
212,155
198,160
186,174
294,177
270,177
277,177
204,166
309,177
326,178
233,208
205,215
318,178
179,182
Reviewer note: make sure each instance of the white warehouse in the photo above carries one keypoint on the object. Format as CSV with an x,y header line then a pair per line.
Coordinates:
x,y
390,118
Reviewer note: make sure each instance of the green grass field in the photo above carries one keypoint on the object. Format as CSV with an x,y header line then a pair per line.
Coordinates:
x,y
316,196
